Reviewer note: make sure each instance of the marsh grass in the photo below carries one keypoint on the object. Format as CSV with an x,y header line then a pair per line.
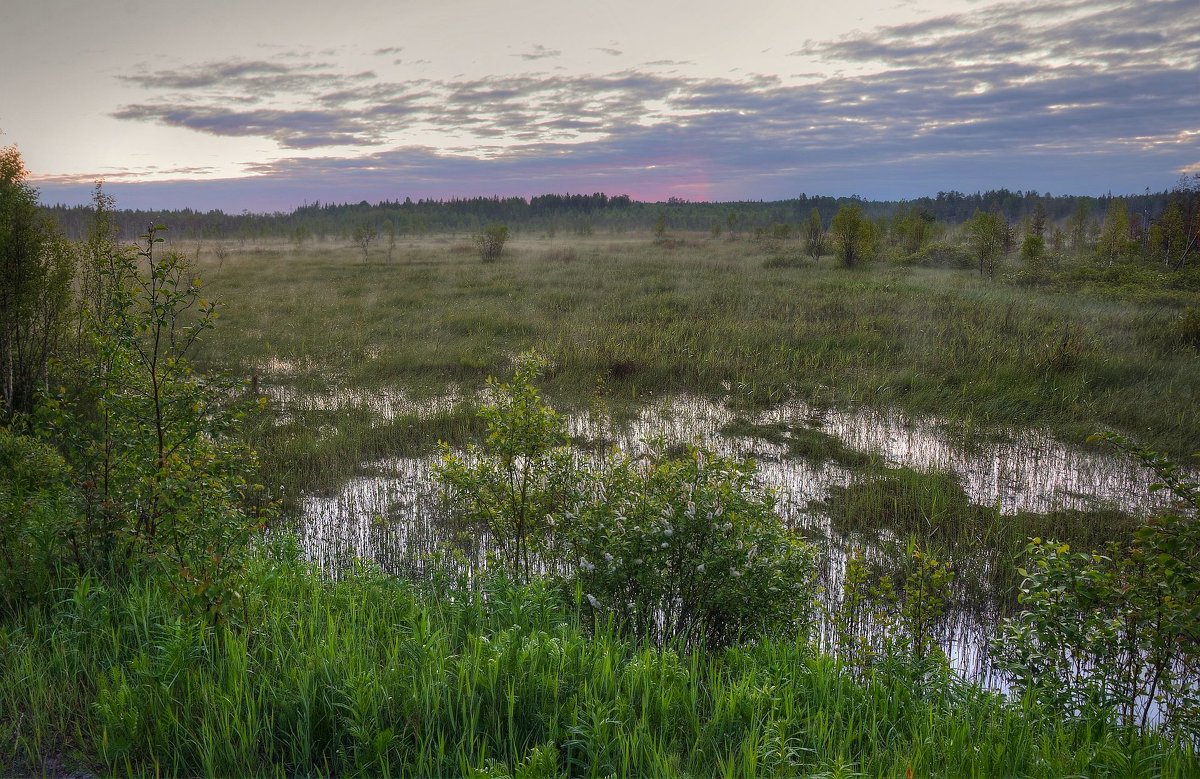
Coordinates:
x,y
802,441
724,321
888,506
699,316
374,676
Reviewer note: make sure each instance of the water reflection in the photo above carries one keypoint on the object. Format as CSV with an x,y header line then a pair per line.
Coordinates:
x,y
389,513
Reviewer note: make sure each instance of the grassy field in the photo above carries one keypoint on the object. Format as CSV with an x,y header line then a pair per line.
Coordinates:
x,y
756,322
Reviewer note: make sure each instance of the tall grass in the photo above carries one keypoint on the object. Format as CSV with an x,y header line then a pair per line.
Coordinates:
x,y
374,676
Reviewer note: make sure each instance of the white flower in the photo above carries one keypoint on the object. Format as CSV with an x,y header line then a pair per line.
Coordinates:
x,y
735,573
608,557
669,531
700,568
591,599
663,545
585,565
638,561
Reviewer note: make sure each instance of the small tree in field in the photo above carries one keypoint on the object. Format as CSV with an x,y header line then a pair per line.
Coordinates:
x,y
490,241
165,483
987,234
522,474
660,226
391,244
814,236
853,236
364,233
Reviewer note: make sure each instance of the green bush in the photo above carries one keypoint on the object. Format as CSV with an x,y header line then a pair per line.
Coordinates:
x,y
512,487
690,549
489,241
167,485
1115,634
684,548
37,517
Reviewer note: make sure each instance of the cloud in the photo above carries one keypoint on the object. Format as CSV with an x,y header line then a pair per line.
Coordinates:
x,y
610,52
1105,34
1005,95
539,53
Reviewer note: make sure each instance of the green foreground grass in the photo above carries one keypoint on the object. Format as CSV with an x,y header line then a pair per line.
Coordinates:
x,y
1094,349
370,675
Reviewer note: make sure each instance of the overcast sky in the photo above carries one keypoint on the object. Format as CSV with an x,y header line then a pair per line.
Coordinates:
x,y
266,104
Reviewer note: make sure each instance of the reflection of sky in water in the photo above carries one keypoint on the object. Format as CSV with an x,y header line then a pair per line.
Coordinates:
x,y
393,503
389,513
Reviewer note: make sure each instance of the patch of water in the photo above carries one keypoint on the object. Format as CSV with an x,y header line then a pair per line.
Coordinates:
x,y
390,513
384,404
388,516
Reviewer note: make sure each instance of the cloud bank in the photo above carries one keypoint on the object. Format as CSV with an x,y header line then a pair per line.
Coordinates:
x,y
1079,96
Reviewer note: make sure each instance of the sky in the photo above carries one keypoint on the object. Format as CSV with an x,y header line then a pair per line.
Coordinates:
x,y
265,105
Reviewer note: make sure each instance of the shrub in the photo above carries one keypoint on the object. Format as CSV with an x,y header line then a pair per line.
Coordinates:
x,y
854,237
1114,634
167,485
489,241
511,487
37,509
875,621
676,548
689,549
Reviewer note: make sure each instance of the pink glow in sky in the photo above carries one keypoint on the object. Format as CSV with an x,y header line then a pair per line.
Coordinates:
x,y
270,104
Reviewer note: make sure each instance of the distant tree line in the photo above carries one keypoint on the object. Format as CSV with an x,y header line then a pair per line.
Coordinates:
x,y
1061,222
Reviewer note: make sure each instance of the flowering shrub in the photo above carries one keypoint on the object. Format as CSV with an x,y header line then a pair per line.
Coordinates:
x,y
689,549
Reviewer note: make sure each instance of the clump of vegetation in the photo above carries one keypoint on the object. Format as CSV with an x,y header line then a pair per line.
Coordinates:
x,y
815,237
38,511
903,500
854,237
885,620
36,271
1114,633
687,549
165,481
987,234
489,241
364,235
524,475
679,548
1185,328
808,443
